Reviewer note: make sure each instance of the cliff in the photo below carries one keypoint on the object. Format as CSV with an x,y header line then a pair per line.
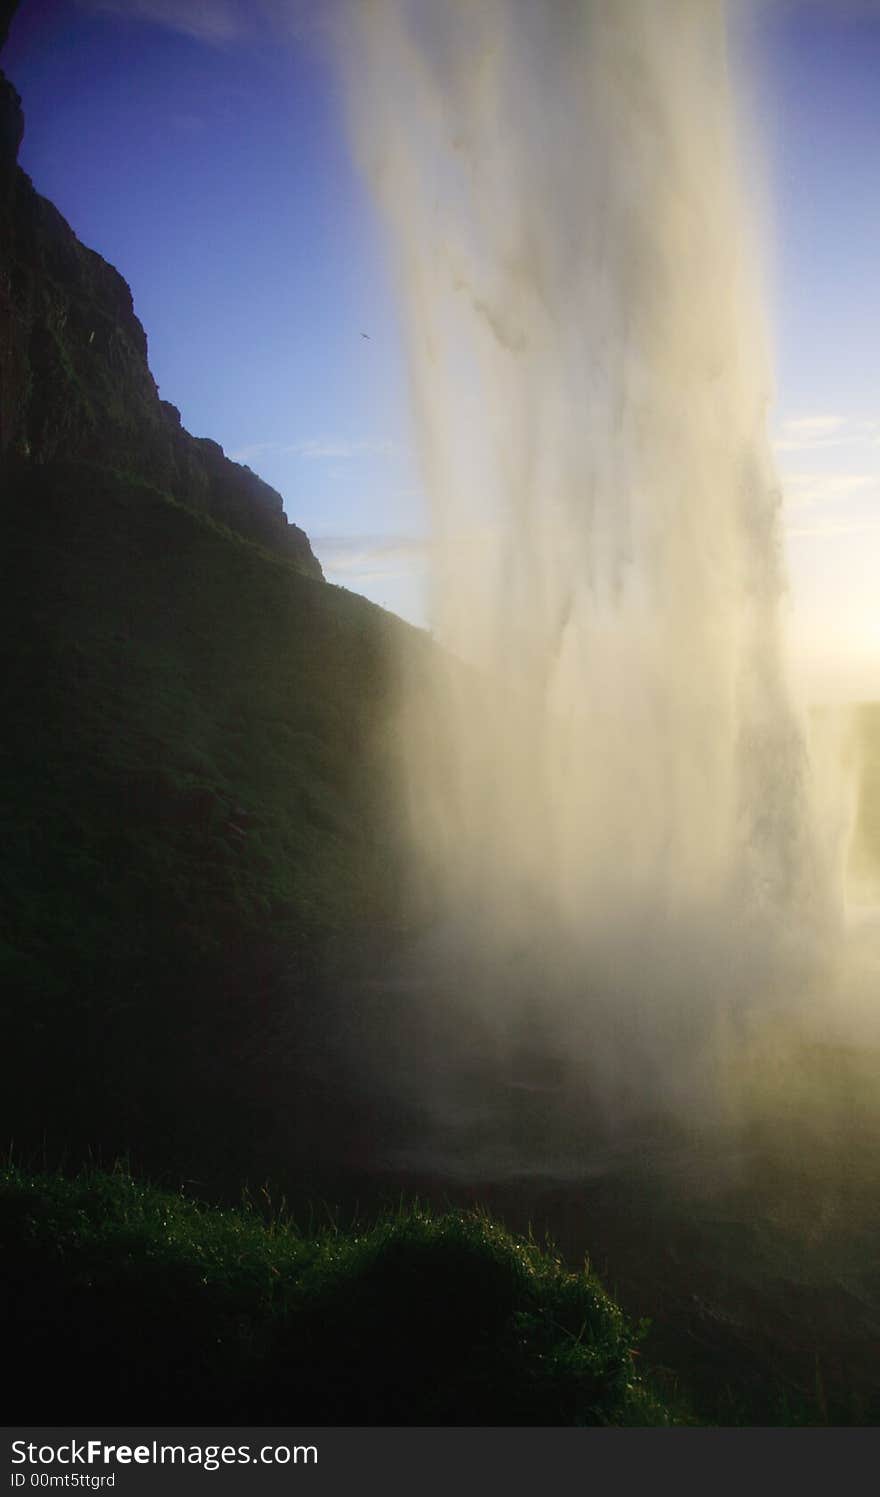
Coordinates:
x,y
74,378
198,773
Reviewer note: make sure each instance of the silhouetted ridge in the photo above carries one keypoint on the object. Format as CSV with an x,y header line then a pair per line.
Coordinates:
x,y
199,797
74,378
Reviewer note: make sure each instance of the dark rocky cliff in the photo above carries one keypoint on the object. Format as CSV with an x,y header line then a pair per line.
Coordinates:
x,y
198,762
75,383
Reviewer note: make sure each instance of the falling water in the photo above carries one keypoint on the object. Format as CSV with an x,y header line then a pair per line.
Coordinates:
x,y
609,781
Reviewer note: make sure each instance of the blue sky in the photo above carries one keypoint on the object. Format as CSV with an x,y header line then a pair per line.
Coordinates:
x,y
820,129
201,149
200,146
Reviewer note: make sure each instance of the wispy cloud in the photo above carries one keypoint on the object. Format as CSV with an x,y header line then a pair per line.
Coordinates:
x,y
805,433
213,21
372,447
830,475
370,557
816,433
337,448
829,529
218,22
253,451
814,487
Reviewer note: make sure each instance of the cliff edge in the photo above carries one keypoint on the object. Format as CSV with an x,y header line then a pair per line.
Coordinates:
x,y
75,384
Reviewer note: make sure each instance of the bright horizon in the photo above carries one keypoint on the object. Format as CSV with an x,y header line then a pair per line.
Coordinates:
x,y
202,149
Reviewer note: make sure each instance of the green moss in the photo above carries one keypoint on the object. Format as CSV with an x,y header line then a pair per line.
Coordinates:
x,y
118,1295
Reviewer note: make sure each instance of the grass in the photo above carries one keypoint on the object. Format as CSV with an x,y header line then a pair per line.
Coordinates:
x,y
128,1303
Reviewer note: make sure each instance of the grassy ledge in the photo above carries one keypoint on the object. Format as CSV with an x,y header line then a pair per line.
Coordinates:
x,y
138,1305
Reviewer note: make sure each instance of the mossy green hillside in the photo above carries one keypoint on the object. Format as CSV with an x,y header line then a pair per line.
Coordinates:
x,y
158,1307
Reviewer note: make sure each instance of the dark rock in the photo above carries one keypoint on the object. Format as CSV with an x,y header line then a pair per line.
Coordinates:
x,y
11,127
7,11
74,378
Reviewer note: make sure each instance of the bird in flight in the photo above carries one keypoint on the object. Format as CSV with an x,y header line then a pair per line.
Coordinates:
x,y
365,335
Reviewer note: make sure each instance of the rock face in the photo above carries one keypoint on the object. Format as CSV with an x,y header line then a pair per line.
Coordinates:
x,y
74,378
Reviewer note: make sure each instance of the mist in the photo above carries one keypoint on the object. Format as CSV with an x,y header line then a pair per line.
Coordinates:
x,y
632,845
